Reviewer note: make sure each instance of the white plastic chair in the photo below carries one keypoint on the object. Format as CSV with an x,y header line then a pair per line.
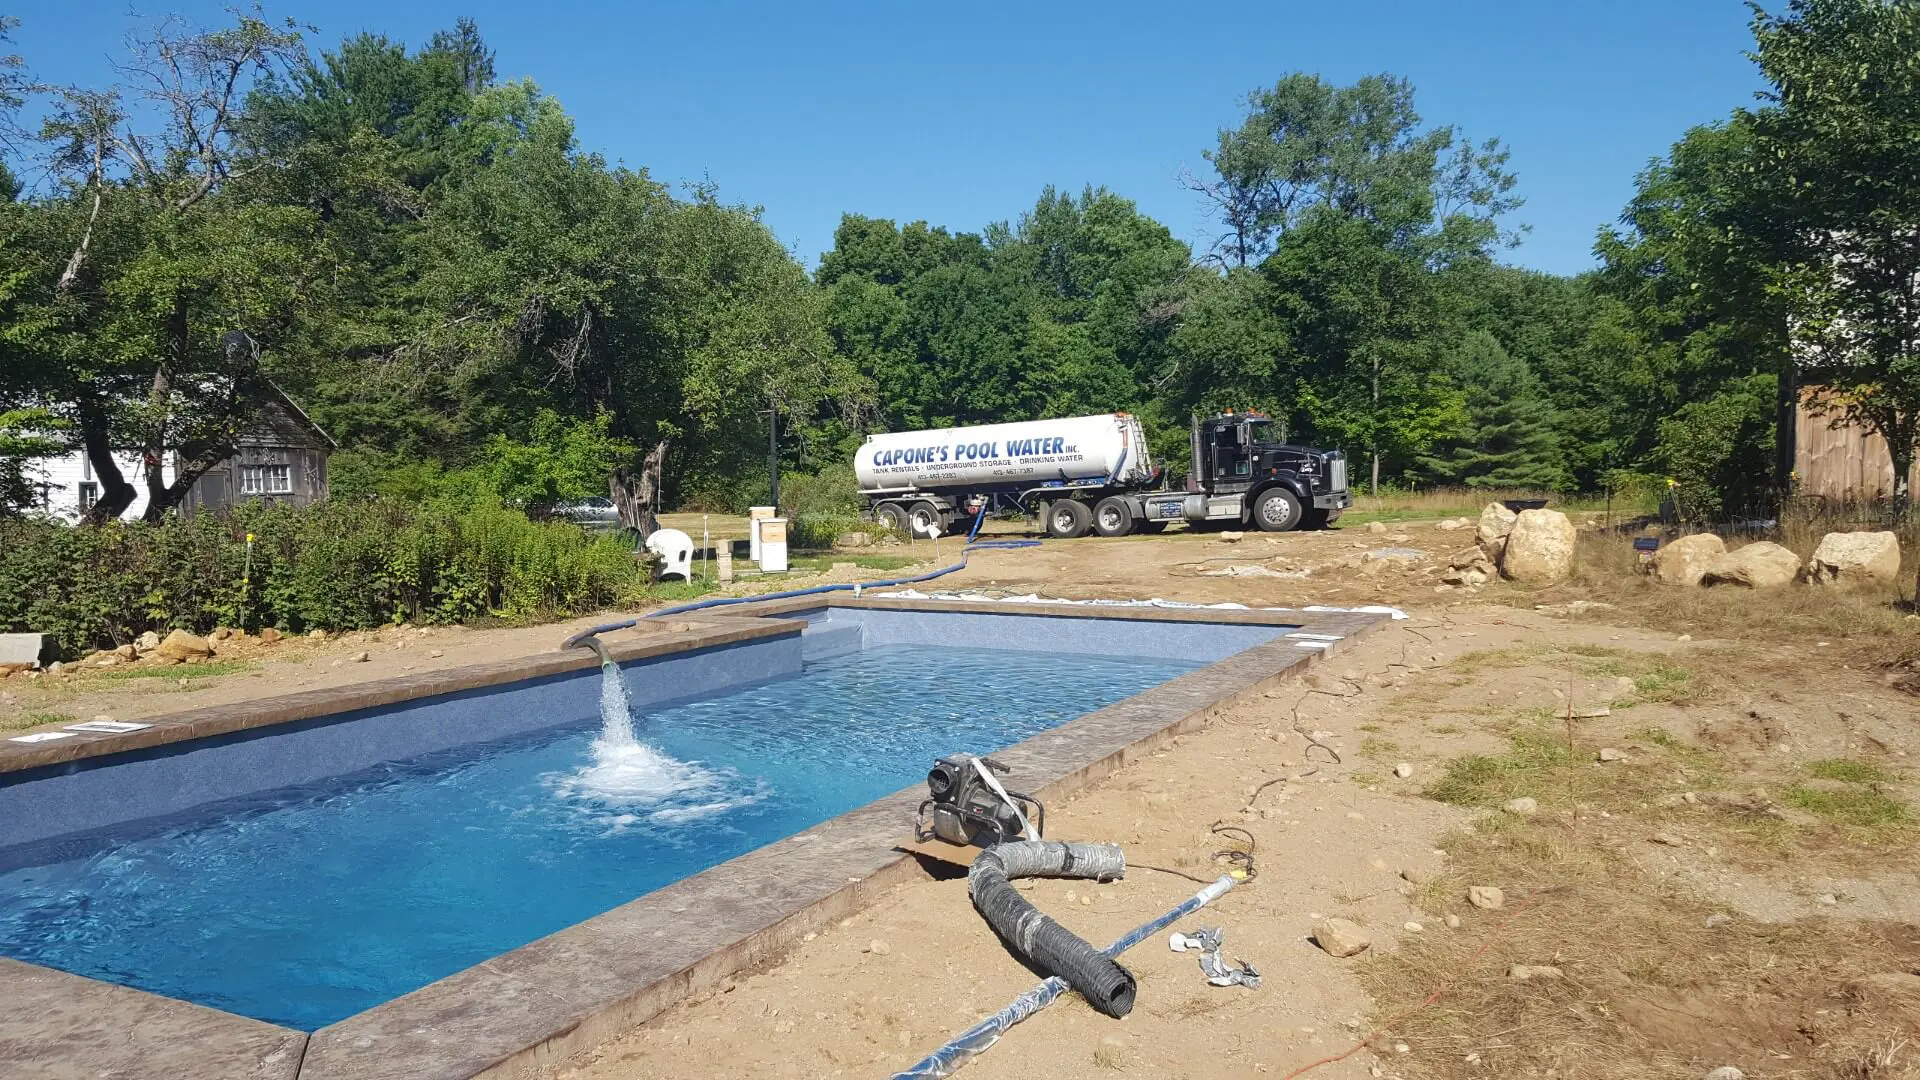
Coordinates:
x,y
675,551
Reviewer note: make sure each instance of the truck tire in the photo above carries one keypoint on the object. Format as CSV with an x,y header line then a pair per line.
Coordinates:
x,y
1068,519
1277,510
891,515
923,517
1113,517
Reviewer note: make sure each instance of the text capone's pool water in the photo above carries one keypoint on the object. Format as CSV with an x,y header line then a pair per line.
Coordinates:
x,y
304,907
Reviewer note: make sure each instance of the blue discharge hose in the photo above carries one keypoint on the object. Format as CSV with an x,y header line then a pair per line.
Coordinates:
x,y
725,601
974,1041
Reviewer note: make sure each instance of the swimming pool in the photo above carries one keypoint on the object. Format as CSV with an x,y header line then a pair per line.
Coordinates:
x,y
228,836
304,906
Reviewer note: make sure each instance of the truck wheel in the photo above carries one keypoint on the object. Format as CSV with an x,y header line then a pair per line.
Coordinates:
x,y
1112,517
1068,518
924,517
891,516
1277,510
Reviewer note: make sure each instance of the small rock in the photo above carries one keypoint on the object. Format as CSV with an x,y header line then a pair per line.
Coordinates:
x,y
1452,921
1487,897
1413,875
147,642
1376,527
1608,753
127,652
1402,1048
1340,937
1086,901
1668,840
1232,537
220,633
1524,806
317,634
1726,1072
809,935
435,653
1524,972
1403,770
270,635
877,947
1689,798
1827,899
361,657
1412,927
1718,919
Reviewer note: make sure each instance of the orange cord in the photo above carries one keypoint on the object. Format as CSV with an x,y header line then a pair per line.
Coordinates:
x,y
1431,998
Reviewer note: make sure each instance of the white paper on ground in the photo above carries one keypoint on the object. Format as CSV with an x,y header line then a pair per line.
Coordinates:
x,y
108,727
42,736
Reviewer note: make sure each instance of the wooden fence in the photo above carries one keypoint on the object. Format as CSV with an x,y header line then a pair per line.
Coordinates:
x,y
1845,463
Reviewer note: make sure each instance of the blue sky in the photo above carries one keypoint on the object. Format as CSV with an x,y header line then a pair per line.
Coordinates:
x,y
960,114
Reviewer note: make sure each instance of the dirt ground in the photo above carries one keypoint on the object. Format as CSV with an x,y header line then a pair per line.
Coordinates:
x,y
1711,862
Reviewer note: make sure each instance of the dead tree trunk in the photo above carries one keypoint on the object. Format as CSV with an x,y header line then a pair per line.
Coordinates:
x,y
636,494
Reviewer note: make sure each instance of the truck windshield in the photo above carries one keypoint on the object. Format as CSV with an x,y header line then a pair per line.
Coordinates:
x,y
1260,431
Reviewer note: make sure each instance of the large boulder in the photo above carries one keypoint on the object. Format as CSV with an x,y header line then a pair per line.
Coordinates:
x,y
1539,550
1760,565
1845,558
1685,561
1496,523
181,645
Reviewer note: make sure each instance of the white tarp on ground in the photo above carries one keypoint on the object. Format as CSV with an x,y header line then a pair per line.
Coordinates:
x,y
1035,598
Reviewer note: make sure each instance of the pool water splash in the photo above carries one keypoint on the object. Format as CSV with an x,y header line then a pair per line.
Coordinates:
x,y
628,775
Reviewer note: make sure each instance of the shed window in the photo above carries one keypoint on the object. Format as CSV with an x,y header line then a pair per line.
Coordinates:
x,y
266,479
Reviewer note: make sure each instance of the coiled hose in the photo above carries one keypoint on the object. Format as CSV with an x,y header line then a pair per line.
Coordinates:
x,y
1035,937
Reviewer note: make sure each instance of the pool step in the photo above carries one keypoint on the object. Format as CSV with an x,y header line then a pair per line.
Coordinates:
x,y
824,638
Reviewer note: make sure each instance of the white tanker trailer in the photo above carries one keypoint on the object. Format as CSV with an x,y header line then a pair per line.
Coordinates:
x,y
1094,473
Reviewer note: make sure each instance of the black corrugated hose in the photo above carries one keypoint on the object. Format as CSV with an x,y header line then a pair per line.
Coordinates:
x,y
1033,936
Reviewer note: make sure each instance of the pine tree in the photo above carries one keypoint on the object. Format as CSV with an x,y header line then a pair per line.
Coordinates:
x,y
1512,439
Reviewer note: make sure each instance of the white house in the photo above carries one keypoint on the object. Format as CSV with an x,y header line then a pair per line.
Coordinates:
x,y
68,488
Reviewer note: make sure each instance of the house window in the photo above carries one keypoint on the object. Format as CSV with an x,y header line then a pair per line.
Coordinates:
x,y
266,479
89,494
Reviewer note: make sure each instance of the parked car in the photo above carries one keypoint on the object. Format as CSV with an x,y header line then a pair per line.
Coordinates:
x,y
595,513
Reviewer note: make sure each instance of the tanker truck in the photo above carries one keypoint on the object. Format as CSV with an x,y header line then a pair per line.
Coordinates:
x,y
1094,474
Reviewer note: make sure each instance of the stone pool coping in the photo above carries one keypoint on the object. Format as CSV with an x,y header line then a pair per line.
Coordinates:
x,y
538,1005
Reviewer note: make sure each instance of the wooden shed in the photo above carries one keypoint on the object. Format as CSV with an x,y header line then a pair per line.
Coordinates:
x,y
282,459
1845,464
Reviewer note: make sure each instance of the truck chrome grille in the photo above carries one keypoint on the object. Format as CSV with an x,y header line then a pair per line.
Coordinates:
x,y
1337,474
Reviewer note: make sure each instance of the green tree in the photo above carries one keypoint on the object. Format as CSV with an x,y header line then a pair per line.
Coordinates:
x,y
1353,211
179,270
1689,282
1512,439
1839,156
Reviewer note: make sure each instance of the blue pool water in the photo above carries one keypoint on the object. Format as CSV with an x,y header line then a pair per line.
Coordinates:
x,y
305,906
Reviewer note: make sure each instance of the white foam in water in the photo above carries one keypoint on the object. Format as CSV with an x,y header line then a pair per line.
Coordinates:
x,y
629,772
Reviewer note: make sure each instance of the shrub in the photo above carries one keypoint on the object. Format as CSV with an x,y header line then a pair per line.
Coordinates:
x,y
342,565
